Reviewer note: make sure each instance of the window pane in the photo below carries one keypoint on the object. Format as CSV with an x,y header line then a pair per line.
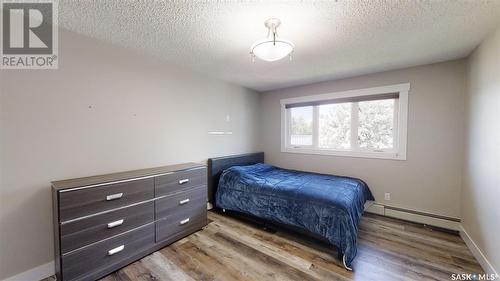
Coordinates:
x,y
376,124
302,125
334,126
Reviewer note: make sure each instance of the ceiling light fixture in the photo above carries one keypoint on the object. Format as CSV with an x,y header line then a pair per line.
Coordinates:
x,y
272,48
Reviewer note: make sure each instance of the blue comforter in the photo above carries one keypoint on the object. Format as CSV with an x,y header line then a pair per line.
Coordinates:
x,y
329,206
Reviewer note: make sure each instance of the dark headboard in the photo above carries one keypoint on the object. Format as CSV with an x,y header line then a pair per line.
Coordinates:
x,y
219,164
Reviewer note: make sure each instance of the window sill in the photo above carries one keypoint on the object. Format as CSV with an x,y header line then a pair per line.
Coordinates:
x,y
358,154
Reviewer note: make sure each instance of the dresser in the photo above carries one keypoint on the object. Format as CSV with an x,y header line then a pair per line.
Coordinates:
x,y
105,222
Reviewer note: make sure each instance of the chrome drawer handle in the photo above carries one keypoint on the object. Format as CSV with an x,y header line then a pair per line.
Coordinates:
x,y
115,223
182,202
184,221
114,196
116,250
183,181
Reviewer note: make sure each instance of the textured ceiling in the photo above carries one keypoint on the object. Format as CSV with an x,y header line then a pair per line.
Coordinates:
x,y
333,39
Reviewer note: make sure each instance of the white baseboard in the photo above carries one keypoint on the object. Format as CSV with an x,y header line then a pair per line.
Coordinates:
x,y
477,253
375,209
443,223
35,274
413,216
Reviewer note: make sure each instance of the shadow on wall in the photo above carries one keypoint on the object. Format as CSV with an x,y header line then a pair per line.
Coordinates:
x,y
22,225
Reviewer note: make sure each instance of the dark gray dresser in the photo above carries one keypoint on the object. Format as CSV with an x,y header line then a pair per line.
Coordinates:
x,y
103,223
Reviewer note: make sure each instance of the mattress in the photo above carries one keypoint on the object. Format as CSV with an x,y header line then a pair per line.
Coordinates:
x,y
326,205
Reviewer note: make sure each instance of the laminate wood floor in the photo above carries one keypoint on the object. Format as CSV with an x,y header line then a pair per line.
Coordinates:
x,y
231,249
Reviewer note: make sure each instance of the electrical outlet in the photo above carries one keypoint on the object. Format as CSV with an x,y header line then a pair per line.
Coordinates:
x,y
387,196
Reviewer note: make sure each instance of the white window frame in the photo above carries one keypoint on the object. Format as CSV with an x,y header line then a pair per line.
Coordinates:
x,y
398,152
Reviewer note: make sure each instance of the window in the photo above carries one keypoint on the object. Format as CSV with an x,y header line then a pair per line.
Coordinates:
x,y
361,123
301,127
334,121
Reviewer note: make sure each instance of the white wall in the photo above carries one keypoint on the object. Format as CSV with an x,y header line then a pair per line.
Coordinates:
x,y
430,180
481,192
105,110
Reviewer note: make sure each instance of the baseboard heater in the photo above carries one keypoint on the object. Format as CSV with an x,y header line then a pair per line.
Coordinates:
x,y
415,216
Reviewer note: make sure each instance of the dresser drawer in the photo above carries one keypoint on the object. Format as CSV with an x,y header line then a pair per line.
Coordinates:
x,y
178,202
174,182
107,253
192,218
86,201
79,233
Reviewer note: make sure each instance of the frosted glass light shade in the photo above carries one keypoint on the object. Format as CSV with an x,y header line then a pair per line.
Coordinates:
x,y
272,50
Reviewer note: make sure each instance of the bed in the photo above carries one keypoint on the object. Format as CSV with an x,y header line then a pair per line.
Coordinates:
x,y
325,206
